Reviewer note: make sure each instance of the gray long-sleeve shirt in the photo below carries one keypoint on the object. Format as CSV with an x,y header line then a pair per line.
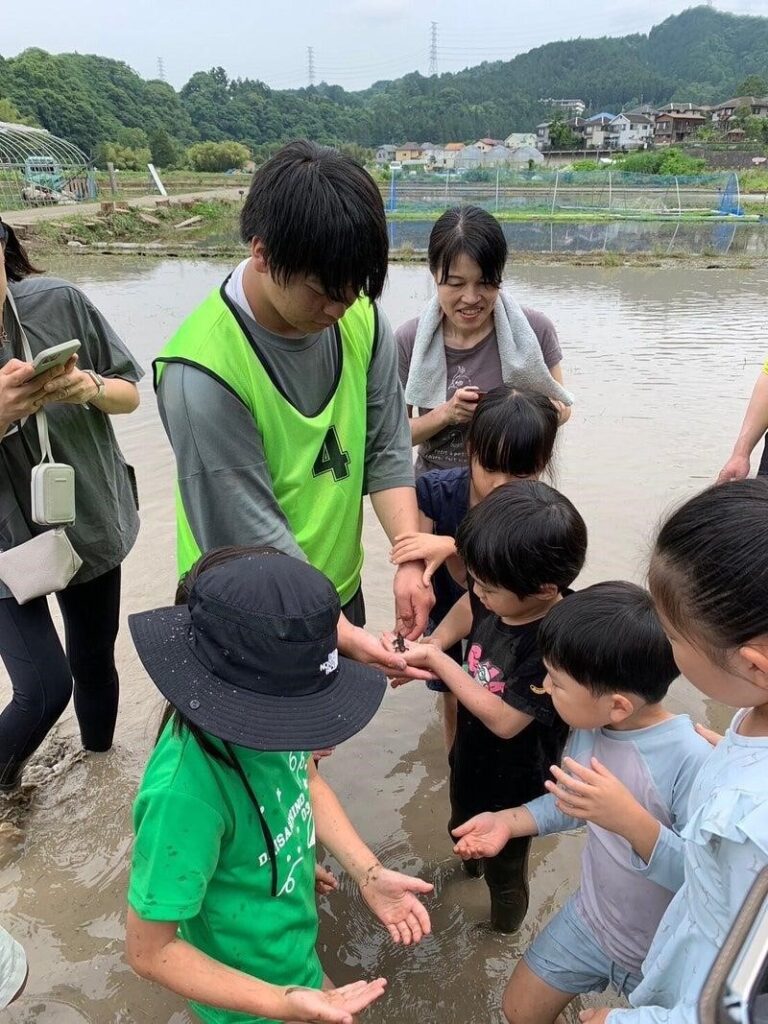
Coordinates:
x,y
620,896
222,470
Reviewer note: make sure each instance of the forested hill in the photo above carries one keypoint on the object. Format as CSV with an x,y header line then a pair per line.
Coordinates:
x,y
700,55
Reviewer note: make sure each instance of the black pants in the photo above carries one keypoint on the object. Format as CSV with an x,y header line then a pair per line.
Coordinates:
x,y
42,674
354,609
506,876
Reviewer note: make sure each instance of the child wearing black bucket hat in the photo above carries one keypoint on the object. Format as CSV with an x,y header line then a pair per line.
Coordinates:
x,y
221,897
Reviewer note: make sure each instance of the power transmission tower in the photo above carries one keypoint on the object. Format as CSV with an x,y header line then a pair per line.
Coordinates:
x,y
311,64
433,49
160,69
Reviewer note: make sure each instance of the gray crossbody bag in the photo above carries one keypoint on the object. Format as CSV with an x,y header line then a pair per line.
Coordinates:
x,y
47,562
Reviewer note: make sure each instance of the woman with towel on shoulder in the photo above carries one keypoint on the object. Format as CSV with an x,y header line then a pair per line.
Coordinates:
x,y
472,337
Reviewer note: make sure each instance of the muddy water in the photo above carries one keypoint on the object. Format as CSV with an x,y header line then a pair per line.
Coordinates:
x,y
661,363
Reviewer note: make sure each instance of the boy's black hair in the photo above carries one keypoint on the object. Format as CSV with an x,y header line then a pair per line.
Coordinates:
x,y
17,263
522,537
710,565
513,431
470,230
609,639
319,213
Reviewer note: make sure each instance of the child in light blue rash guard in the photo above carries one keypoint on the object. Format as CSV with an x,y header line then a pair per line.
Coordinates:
x,y
629,768
707,577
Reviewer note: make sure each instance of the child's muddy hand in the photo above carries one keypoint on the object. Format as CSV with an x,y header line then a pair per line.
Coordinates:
x,y
336,1005
420,661
325,880
394,899
482,836
392,642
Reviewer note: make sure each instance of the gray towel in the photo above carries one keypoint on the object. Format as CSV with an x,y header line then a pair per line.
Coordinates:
x,y
522,363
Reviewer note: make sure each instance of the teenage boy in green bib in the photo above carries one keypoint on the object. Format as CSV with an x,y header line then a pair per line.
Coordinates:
x,y
221,898
280,393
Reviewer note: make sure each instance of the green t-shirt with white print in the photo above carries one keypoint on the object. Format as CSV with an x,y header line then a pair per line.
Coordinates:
x,y
200,858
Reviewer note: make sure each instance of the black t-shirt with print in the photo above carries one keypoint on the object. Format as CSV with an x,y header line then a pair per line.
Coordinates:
x,y
489,773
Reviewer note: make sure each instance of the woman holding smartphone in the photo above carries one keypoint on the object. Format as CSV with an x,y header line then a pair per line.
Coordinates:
x,y
78,397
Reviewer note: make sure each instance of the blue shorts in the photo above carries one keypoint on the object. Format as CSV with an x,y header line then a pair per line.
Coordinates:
x,y
566,956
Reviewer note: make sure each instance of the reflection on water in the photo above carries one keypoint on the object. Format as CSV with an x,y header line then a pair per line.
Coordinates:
x,y
661,363
657,237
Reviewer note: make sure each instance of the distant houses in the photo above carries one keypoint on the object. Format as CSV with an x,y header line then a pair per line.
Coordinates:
x,y
647,126
456,156
629,130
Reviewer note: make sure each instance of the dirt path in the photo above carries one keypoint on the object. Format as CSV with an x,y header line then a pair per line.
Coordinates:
x,y
41,213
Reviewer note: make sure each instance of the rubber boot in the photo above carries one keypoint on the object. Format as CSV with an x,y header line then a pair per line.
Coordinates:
x,y
10,776
474,868
508,914
507,878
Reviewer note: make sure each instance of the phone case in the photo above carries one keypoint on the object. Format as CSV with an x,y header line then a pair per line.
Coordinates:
x,y
53,494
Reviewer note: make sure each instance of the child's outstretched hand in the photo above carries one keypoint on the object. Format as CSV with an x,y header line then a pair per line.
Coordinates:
x,y
593,794
391,895
337,1005
430,548
482,836
414,654
395,643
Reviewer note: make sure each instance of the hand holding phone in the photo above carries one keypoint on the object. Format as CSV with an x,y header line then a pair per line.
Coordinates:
x,y
56,355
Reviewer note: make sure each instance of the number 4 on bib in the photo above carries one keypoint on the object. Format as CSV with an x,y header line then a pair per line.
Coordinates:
x,y
331,458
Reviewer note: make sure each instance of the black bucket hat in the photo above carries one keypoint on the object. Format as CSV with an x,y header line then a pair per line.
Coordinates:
x,y
252,658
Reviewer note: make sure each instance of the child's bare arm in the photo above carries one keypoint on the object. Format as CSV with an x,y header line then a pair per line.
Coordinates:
x,y
455,626
155,952
492,711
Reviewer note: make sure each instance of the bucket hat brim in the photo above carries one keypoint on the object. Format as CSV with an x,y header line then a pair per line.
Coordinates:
x,y
243,716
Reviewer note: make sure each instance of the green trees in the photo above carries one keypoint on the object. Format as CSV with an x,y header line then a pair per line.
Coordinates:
x,y
165,153
561,136
217,156
9,112
701,55
663,161
753,85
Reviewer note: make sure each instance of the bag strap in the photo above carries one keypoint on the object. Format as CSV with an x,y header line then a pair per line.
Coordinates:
x,y
268,840
40,418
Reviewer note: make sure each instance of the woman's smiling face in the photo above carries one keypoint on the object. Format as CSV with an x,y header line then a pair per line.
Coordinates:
x,y
465,298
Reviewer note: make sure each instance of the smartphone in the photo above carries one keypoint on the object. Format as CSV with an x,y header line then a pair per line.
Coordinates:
x,y
56,355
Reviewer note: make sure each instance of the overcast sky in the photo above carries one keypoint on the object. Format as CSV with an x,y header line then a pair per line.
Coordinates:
x,y
355,42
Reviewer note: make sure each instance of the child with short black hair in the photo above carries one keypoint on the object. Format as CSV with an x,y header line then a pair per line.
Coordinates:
x,y
523,546
628,775
511,437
